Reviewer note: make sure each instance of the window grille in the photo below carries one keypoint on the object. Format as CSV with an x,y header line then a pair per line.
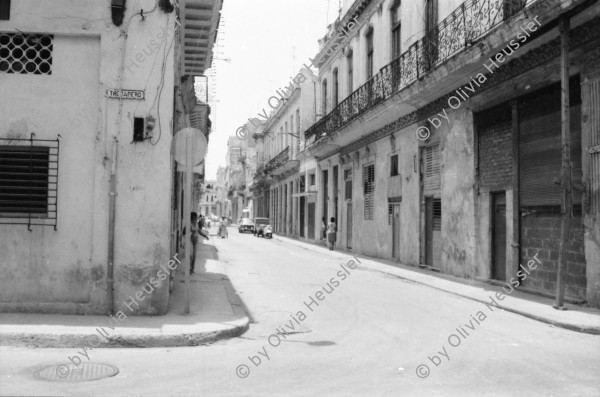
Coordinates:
x,y
26,53
29,182
369,190
390,214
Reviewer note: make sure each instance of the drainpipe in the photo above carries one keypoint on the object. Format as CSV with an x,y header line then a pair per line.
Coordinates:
x,y
111,229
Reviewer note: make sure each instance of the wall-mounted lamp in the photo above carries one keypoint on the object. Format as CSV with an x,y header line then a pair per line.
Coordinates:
x,y
118,11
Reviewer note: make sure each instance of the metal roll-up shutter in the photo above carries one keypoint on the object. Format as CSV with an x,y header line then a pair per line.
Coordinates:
x,y
540,146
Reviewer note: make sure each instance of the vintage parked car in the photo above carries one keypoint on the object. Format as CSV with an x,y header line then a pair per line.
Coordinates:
x,y
246,225
259,226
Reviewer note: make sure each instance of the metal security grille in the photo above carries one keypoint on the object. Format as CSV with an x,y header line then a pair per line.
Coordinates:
x,y
28,181
26,53
369,191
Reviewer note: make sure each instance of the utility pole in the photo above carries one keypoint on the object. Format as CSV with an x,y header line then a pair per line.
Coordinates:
x,y
565,175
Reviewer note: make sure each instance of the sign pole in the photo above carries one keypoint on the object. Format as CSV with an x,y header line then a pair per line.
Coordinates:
x,y
187,208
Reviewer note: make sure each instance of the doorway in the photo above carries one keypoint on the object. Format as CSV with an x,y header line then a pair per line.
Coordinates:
x,y
499,236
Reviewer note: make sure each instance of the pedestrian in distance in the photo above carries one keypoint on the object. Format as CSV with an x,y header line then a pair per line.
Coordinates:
x,y
223,228
323,229
331,233
196,231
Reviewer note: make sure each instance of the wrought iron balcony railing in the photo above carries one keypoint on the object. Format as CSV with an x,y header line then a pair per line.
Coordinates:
x,y
278,160
468,23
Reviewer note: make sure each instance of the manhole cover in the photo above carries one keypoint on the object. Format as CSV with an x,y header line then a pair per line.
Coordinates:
x,y
76,373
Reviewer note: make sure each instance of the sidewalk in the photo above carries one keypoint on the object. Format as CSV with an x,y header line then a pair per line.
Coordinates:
x,y
215,313
576,318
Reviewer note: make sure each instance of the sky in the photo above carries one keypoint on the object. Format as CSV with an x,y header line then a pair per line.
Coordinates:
x,y
260,37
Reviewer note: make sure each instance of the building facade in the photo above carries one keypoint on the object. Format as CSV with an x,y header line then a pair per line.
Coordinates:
x,y
440,143
278,186
91,209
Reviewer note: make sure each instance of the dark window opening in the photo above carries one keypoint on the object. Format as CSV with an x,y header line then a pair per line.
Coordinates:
x,y
370,54
138,129
4,10
350,72
335,88
394,165
348,184
396,42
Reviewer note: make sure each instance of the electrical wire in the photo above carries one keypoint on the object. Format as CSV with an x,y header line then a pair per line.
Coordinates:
x,y
161,86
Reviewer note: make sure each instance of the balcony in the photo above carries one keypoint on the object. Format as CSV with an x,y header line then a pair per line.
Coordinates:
x,y
281,163
468,23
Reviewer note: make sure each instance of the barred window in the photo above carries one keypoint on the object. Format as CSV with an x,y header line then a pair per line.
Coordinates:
x,y
26,53
369,191
390,214
28,182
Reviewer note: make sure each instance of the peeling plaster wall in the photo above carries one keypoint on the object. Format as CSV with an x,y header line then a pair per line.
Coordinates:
x,y
458,221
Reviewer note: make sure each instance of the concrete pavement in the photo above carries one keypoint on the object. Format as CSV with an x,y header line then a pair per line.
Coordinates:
x,y
575,318
215,313
369,335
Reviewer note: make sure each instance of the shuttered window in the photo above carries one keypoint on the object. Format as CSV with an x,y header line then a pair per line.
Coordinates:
x,y
431,168
369,191
540,146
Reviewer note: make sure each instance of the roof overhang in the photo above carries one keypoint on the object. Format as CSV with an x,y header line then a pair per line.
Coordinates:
x,y
200,23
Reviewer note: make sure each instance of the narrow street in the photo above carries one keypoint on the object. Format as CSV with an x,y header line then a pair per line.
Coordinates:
x,y
366,337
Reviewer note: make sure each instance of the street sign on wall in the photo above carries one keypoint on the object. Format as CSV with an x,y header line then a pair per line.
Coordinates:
x,y
125,94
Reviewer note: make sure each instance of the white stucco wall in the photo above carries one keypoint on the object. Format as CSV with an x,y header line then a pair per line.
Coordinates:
x,y
65,270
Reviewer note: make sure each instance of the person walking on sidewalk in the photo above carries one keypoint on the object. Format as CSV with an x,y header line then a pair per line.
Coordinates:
x,y
196,230
331,233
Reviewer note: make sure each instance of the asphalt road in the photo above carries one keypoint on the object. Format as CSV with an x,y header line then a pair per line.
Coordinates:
x,y
364,333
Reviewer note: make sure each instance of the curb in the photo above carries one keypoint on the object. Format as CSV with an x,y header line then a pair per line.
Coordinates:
x,y
592,330
123,340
